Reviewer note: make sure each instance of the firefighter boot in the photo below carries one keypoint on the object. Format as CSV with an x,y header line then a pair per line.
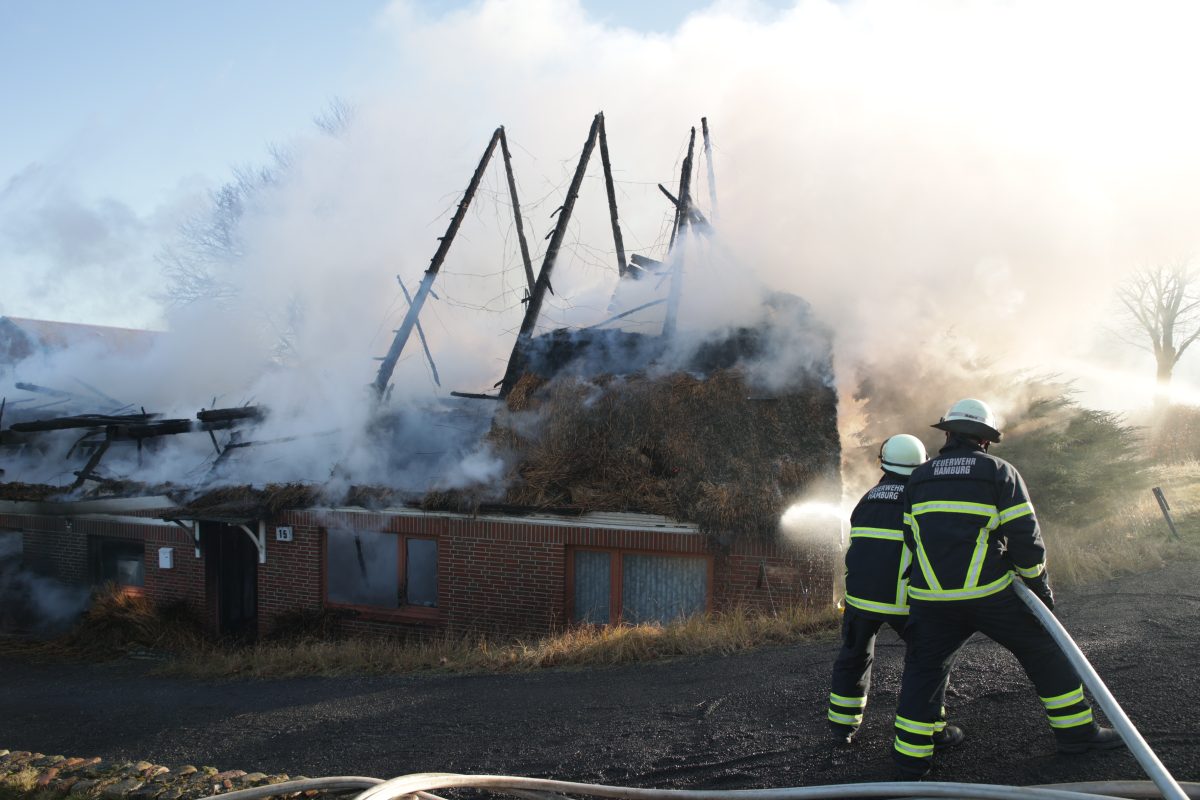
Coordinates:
x,y
905,775
842,735
949,736
1101,739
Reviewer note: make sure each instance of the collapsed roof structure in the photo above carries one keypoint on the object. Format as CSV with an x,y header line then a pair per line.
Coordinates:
x,y
719,436
775,444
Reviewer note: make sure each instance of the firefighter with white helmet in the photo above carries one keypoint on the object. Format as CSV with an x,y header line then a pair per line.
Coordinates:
x,y
972,529
877,565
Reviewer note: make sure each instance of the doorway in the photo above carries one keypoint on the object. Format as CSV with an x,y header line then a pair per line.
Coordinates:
x,y
231,578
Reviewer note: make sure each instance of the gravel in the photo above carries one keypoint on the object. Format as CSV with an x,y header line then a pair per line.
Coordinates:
x,y
745,721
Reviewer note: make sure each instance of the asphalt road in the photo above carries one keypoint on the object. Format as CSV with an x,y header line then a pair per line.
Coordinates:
x,y
745,721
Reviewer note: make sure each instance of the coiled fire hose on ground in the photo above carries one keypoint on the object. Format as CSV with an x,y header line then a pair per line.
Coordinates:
x,y
1162,784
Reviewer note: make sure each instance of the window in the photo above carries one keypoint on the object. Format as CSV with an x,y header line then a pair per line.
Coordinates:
x,y
380,570
120,562
637,587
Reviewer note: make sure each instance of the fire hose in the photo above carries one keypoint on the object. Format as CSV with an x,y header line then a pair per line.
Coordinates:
x,y
1133,739
1161,784
422,785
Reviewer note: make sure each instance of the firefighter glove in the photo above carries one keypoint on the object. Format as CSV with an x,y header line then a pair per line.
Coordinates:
x,y
1040,586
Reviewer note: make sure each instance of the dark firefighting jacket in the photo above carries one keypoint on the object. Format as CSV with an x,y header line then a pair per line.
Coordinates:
x,y
970,525
877,560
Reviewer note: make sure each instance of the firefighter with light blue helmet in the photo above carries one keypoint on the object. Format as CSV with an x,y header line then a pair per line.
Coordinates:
x,y
972,529
877,564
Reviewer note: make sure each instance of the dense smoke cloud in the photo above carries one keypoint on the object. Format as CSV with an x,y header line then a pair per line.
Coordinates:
x,y
79,257
986,168
990,169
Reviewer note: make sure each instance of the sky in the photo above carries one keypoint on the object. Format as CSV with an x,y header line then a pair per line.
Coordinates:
x,y
871,156
123,115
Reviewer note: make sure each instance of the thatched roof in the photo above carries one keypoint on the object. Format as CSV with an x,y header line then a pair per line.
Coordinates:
x,y
595,424
30,492
237,503
699,449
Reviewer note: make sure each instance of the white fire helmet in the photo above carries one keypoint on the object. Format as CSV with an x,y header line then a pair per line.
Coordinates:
x,y
972,418
902,454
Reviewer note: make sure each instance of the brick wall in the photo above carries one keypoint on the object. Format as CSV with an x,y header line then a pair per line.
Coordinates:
x,y
502,577
769,576
493,575
511,577
51,546
291,580
58,547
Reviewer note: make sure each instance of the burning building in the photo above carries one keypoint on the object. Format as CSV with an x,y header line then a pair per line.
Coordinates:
x,y
631,477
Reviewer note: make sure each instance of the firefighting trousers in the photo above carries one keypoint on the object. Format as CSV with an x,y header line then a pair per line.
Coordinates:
x,y
852,669
938,630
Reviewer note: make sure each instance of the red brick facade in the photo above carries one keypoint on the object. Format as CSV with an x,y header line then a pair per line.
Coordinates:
x,y
494,574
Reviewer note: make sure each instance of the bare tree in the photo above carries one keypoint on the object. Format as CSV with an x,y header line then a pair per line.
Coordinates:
x,y
1162,305
201,261
336,118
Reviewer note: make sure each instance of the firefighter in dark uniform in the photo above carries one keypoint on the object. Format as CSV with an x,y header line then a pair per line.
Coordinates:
x,y
972,530
877,564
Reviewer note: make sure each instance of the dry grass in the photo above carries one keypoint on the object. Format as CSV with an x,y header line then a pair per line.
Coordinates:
x,y
20,783
717,634
117,622
1133,539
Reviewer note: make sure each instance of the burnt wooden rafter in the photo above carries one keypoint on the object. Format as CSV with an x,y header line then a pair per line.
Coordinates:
x,y
388,362
104,430
609,189
421,336
516,204
712,178
533,308
682,220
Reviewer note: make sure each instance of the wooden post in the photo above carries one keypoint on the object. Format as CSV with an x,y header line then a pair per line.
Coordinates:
x,y
683,216
533,308
612,199
1166,511
712,178
388,364
516,204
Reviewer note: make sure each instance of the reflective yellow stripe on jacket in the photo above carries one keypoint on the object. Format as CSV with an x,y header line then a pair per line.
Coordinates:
x,y
970,589
891,534
900,605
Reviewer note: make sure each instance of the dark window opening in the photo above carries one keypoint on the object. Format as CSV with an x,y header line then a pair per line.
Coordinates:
x,y
120,562
380,570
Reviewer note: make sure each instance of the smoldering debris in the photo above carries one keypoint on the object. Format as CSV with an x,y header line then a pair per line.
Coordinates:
x,y
708,434
694,448
725,430
245,501
717,418
32,492
79,446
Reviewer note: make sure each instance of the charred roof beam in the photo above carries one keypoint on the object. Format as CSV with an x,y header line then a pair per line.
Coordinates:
x,y
533,308
388,365
682,220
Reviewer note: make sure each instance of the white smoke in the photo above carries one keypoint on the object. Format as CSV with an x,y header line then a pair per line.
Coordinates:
x,y
31,602
988,168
